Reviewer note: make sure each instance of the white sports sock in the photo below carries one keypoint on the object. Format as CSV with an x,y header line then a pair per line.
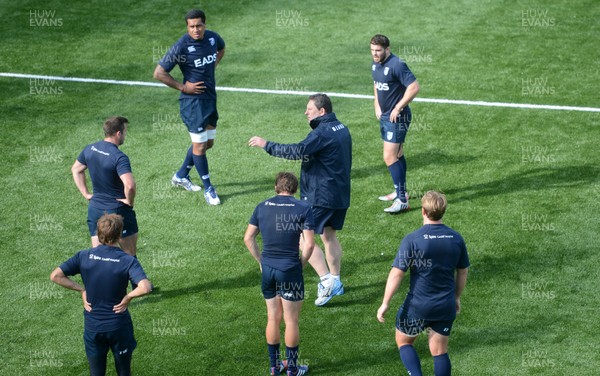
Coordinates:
x,y
335,276
326,277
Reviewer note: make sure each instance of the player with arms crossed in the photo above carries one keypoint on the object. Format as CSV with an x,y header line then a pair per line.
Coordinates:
x,y
438,261
282,220
197,53
105,270
326,155
394,86
113,184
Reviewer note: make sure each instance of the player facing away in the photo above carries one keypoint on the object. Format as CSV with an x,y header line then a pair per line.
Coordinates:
x,y
394,86
281,220
197,54
438,262
113,184
326,155
105,271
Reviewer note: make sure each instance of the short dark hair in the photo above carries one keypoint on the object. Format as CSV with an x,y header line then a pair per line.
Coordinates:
x,y
286,182
322,101
195,13
380,40
114,124
110,227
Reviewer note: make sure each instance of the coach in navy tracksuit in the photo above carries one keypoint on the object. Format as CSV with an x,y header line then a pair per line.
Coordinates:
x,y
326,155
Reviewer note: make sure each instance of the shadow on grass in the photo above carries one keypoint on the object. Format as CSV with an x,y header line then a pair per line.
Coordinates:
x,y
531,180
414,161
248,187
244,280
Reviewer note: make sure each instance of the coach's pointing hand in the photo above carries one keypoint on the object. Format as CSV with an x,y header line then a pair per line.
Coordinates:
x,y
257,142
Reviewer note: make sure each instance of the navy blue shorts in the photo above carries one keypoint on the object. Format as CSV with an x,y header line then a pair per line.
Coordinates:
x,y
395,132
130,226
288,284
325,217
121,342
412,326
197,114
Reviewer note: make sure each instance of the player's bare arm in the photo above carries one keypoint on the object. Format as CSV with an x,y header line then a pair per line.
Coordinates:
x,y
393,282
376,103
411,92
78,171
165,77
129,187
220,54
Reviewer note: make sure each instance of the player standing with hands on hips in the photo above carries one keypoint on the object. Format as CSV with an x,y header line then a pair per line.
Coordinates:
x,y
438,262
394,86
197,53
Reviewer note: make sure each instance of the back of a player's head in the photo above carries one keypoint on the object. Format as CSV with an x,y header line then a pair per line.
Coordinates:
x,y
434,204
380,40
195,13
110,227
114,124
286,182
321,101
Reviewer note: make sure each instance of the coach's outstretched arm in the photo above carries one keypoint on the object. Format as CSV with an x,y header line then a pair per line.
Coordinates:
x,y
393,282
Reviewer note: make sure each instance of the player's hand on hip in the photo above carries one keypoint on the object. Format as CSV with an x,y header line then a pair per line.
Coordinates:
x,y
378,113
86,305
381,312
194,87
394,115
257,141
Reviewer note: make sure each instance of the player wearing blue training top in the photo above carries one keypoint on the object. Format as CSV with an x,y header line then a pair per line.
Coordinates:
x,y
105,271
112,182
281,220
197,53
438,262
326,155
394,87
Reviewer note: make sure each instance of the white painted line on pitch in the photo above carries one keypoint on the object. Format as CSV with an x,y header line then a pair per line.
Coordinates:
x,y
306,93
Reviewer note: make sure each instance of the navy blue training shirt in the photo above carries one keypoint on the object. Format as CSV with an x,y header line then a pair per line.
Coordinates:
x,y
105,271
391,79
197,60
281,220
432,253
106,164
